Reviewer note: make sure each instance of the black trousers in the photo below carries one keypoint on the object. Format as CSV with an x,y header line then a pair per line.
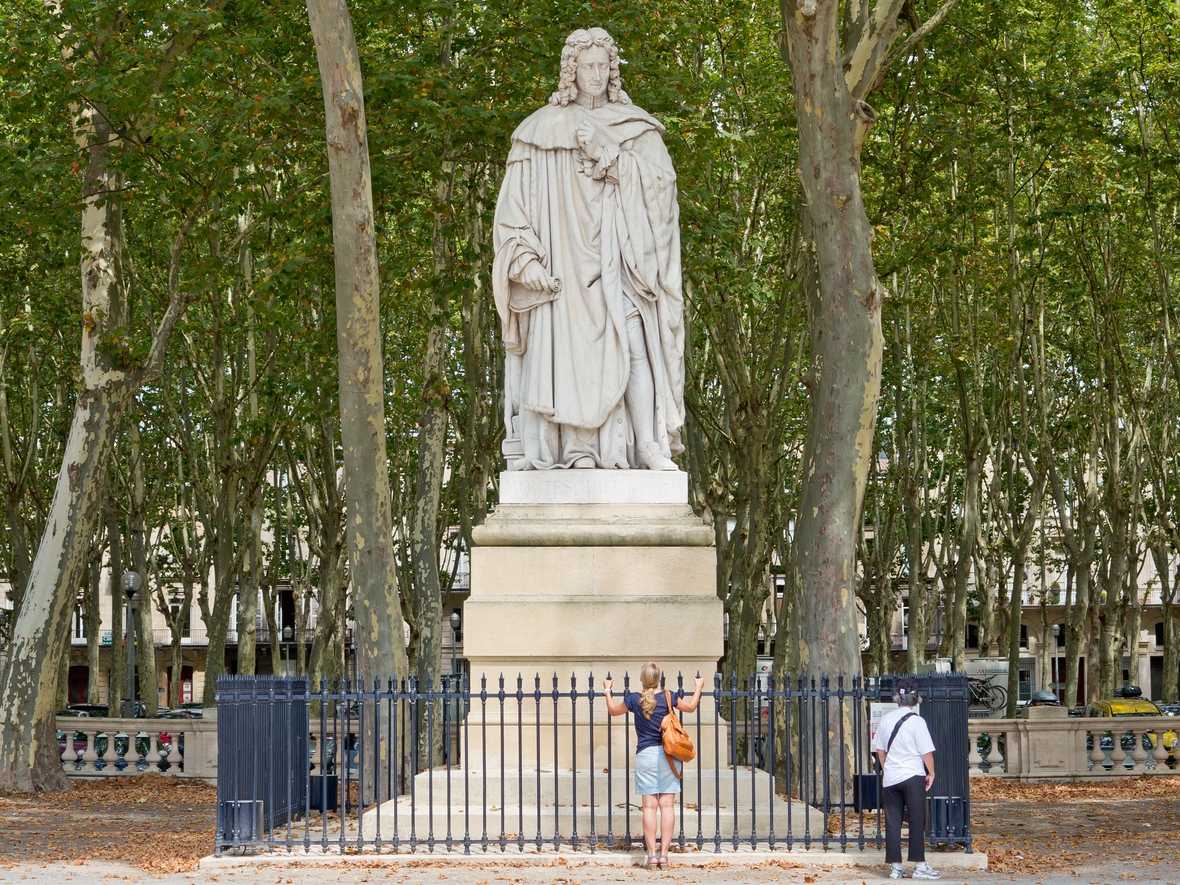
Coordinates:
x,y
911,795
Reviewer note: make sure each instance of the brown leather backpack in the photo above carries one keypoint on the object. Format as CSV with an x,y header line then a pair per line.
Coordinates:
x,y
677,744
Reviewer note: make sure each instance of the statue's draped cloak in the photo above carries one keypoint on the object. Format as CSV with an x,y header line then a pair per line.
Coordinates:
x,y
610,232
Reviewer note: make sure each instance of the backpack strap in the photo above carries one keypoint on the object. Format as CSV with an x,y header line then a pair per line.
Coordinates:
x,y
668,700
671,761
896,729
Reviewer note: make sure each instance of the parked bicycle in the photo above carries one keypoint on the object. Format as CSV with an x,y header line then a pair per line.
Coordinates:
x,y
985,693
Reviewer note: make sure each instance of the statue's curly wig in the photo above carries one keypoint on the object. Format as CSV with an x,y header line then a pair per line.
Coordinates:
x,y
567,87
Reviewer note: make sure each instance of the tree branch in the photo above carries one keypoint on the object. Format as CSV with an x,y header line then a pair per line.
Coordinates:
x,y
911,42
862,65
177,301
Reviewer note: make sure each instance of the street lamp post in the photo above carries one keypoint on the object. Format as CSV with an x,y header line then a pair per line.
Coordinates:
x,y
131,584
454,619
288,633
1056,661
452,709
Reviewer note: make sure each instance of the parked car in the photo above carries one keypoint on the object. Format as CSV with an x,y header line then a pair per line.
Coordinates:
x,y
100,711
1123,707
1169,709
1129,705
180,713
95,710
1044,699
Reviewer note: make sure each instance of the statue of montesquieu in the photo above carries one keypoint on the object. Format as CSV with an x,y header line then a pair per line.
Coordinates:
x,y
587,277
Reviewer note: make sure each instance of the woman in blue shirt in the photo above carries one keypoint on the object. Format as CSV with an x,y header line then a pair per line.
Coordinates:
x,y
655,779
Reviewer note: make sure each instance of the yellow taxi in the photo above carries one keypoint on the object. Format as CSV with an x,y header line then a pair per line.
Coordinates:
x,y
1130,707
1123,707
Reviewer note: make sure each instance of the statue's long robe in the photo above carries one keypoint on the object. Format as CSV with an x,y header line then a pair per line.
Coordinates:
x,y
610,232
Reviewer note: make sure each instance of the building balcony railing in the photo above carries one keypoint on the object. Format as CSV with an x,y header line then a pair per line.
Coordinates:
x,y
199,636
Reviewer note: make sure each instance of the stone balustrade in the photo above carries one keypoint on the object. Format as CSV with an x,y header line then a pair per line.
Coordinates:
x,y
1045,745
328,751
93,747
178,747
1049,745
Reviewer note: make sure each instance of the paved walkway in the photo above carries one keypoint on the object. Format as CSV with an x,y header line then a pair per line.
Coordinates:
x,y
434,873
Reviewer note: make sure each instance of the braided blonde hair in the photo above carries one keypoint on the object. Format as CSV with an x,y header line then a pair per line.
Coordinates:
x,y
567,87
649,680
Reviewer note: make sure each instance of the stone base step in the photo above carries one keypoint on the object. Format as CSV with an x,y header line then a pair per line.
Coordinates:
x,y
742,785
513,803
420,822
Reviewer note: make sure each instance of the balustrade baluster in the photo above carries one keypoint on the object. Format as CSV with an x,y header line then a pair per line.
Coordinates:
x,y
69,756
155,760
131,755
111,757
1159,753
90,757
1138,754
1117,755
1097,754
174,755
994,757
974,760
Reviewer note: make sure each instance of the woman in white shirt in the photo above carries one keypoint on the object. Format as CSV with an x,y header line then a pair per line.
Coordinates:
x,y
906,754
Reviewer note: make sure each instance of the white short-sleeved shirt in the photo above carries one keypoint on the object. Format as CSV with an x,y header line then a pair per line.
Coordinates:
x,y
904,759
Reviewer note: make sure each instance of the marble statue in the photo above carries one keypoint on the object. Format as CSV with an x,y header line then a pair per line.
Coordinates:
x,y
587,277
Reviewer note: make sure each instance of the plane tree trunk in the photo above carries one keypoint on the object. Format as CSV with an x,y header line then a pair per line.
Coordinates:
x,y
844,312
380,649
29,757
832,78
145,642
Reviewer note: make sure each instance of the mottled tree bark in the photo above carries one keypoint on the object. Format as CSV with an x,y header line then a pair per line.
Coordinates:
x,y
844,312
145,641
28,685
118,671
92,618
1015,602
973,456
380,646
1080,535
252,573
831,78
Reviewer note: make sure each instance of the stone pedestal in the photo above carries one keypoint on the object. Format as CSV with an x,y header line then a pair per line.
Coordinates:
x,y
584,572
580,573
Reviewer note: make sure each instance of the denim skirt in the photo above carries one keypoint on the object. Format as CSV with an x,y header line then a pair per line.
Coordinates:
x,y
653,774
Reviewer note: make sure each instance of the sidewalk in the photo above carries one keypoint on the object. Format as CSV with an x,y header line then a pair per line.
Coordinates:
x,y
434,872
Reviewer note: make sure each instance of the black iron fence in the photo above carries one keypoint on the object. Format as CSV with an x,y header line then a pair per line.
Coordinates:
x,y
262,781
539,765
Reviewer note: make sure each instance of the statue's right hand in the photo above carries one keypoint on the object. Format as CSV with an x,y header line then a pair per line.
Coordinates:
x,y
533,276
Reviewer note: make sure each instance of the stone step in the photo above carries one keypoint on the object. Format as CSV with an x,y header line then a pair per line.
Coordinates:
x,y
714,802
743,785
409,821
